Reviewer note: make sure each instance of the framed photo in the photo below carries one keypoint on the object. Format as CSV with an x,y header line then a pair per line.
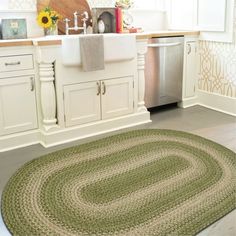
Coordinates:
x,y
14,29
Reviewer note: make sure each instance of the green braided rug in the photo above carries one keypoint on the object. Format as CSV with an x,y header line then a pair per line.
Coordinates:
x,y
145,182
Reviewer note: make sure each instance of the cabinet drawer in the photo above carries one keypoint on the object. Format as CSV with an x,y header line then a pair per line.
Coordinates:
x,y
16,63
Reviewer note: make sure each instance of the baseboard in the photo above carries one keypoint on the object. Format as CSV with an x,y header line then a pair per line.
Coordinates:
x,y
217,102
188,102
24,139
19,140
93,129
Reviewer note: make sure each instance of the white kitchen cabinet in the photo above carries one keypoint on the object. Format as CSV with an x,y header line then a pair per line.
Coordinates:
x,y
181,14
215,19
17,105
190,69
117,97
98,100
211,18
82,103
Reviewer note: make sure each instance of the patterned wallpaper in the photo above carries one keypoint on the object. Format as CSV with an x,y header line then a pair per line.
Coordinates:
x,y
31,4
217,72
101,3
22,4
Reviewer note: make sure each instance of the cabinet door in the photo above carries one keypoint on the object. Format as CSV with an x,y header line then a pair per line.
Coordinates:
x,y
82,103
190,69
117,97
17,105
211,18
181,14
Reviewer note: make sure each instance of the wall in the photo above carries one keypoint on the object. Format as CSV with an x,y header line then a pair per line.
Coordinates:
x,y
27,9
31,4
22,9
146,17
149,20
217,66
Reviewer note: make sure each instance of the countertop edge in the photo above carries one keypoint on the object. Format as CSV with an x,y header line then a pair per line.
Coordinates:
x,y
167,34
51,42
16,43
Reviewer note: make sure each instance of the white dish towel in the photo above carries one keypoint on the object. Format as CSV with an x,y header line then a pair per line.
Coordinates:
x,y
92,53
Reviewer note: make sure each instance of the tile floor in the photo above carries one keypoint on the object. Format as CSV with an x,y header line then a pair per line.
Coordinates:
x,y
210,124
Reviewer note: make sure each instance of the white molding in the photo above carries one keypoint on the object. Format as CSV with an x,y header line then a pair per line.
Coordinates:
x,y
217,102
141,52
19,140
93,129
24,139
48,95
188,102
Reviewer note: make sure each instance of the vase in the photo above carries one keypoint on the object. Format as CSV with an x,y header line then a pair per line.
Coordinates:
x,y
51,31
101,27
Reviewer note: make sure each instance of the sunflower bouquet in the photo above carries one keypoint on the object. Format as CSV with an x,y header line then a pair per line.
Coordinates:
x,y
48,18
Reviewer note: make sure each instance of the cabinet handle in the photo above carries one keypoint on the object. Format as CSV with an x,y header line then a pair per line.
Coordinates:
x,y
99,89
12,63
189,49
104,88
31,84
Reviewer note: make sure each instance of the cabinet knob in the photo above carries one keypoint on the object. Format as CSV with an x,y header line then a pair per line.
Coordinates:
x,y
189,49
32,84
104,88
99,89
12,63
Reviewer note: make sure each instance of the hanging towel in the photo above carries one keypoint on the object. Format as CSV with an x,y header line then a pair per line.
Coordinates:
x,y
92,52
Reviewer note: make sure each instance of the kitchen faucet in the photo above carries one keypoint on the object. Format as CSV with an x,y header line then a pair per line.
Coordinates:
x,y
76,27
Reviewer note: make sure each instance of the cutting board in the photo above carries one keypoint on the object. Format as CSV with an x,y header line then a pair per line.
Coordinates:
x,y
66,8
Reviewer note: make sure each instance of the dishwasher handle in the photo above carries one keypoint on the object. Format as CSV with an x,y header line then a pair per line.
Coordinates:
x,y
160,45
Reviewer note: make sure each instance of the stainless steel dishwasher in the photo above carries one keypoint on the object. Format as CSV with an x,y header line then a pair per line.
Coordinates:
x,y
164,71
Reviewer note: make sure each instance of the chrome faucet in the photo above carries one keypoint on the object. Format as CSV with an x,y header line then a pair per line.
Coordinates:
x,y
76,28
76,20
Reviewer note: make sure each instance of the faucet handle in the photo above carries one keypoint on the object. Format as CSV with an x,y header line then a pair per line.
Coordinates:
x,y
85,15
66,20
76,13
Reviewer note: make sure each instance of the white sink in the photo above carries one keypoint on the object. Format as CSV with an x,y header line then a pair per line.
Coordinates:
x,y
117,47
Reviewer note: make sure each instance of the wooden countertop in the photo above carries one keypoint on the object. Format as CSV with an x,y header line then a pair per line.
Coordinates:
x,y
16,43
48,41
167,33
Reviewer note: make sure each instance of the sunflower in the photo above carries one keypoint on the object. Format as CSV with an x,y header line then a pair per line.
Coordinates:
x,y
44,19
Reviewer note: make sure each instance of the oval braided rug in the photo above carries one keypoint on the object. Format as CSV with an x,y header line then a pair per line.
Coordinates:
x,y
145,182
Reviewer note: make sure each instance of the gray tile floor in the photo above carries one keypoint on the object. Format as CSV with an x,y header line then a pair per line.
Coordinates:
x,y
213,125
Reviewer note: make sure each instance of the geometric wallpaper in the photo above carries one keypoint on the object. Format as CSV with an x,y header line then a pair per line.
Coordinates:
x,y
22,4
101,3
217,67
217,72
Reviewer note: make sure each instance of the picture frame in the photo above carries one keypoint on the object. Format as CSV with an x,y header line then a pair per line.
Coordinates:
x,y
14,29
